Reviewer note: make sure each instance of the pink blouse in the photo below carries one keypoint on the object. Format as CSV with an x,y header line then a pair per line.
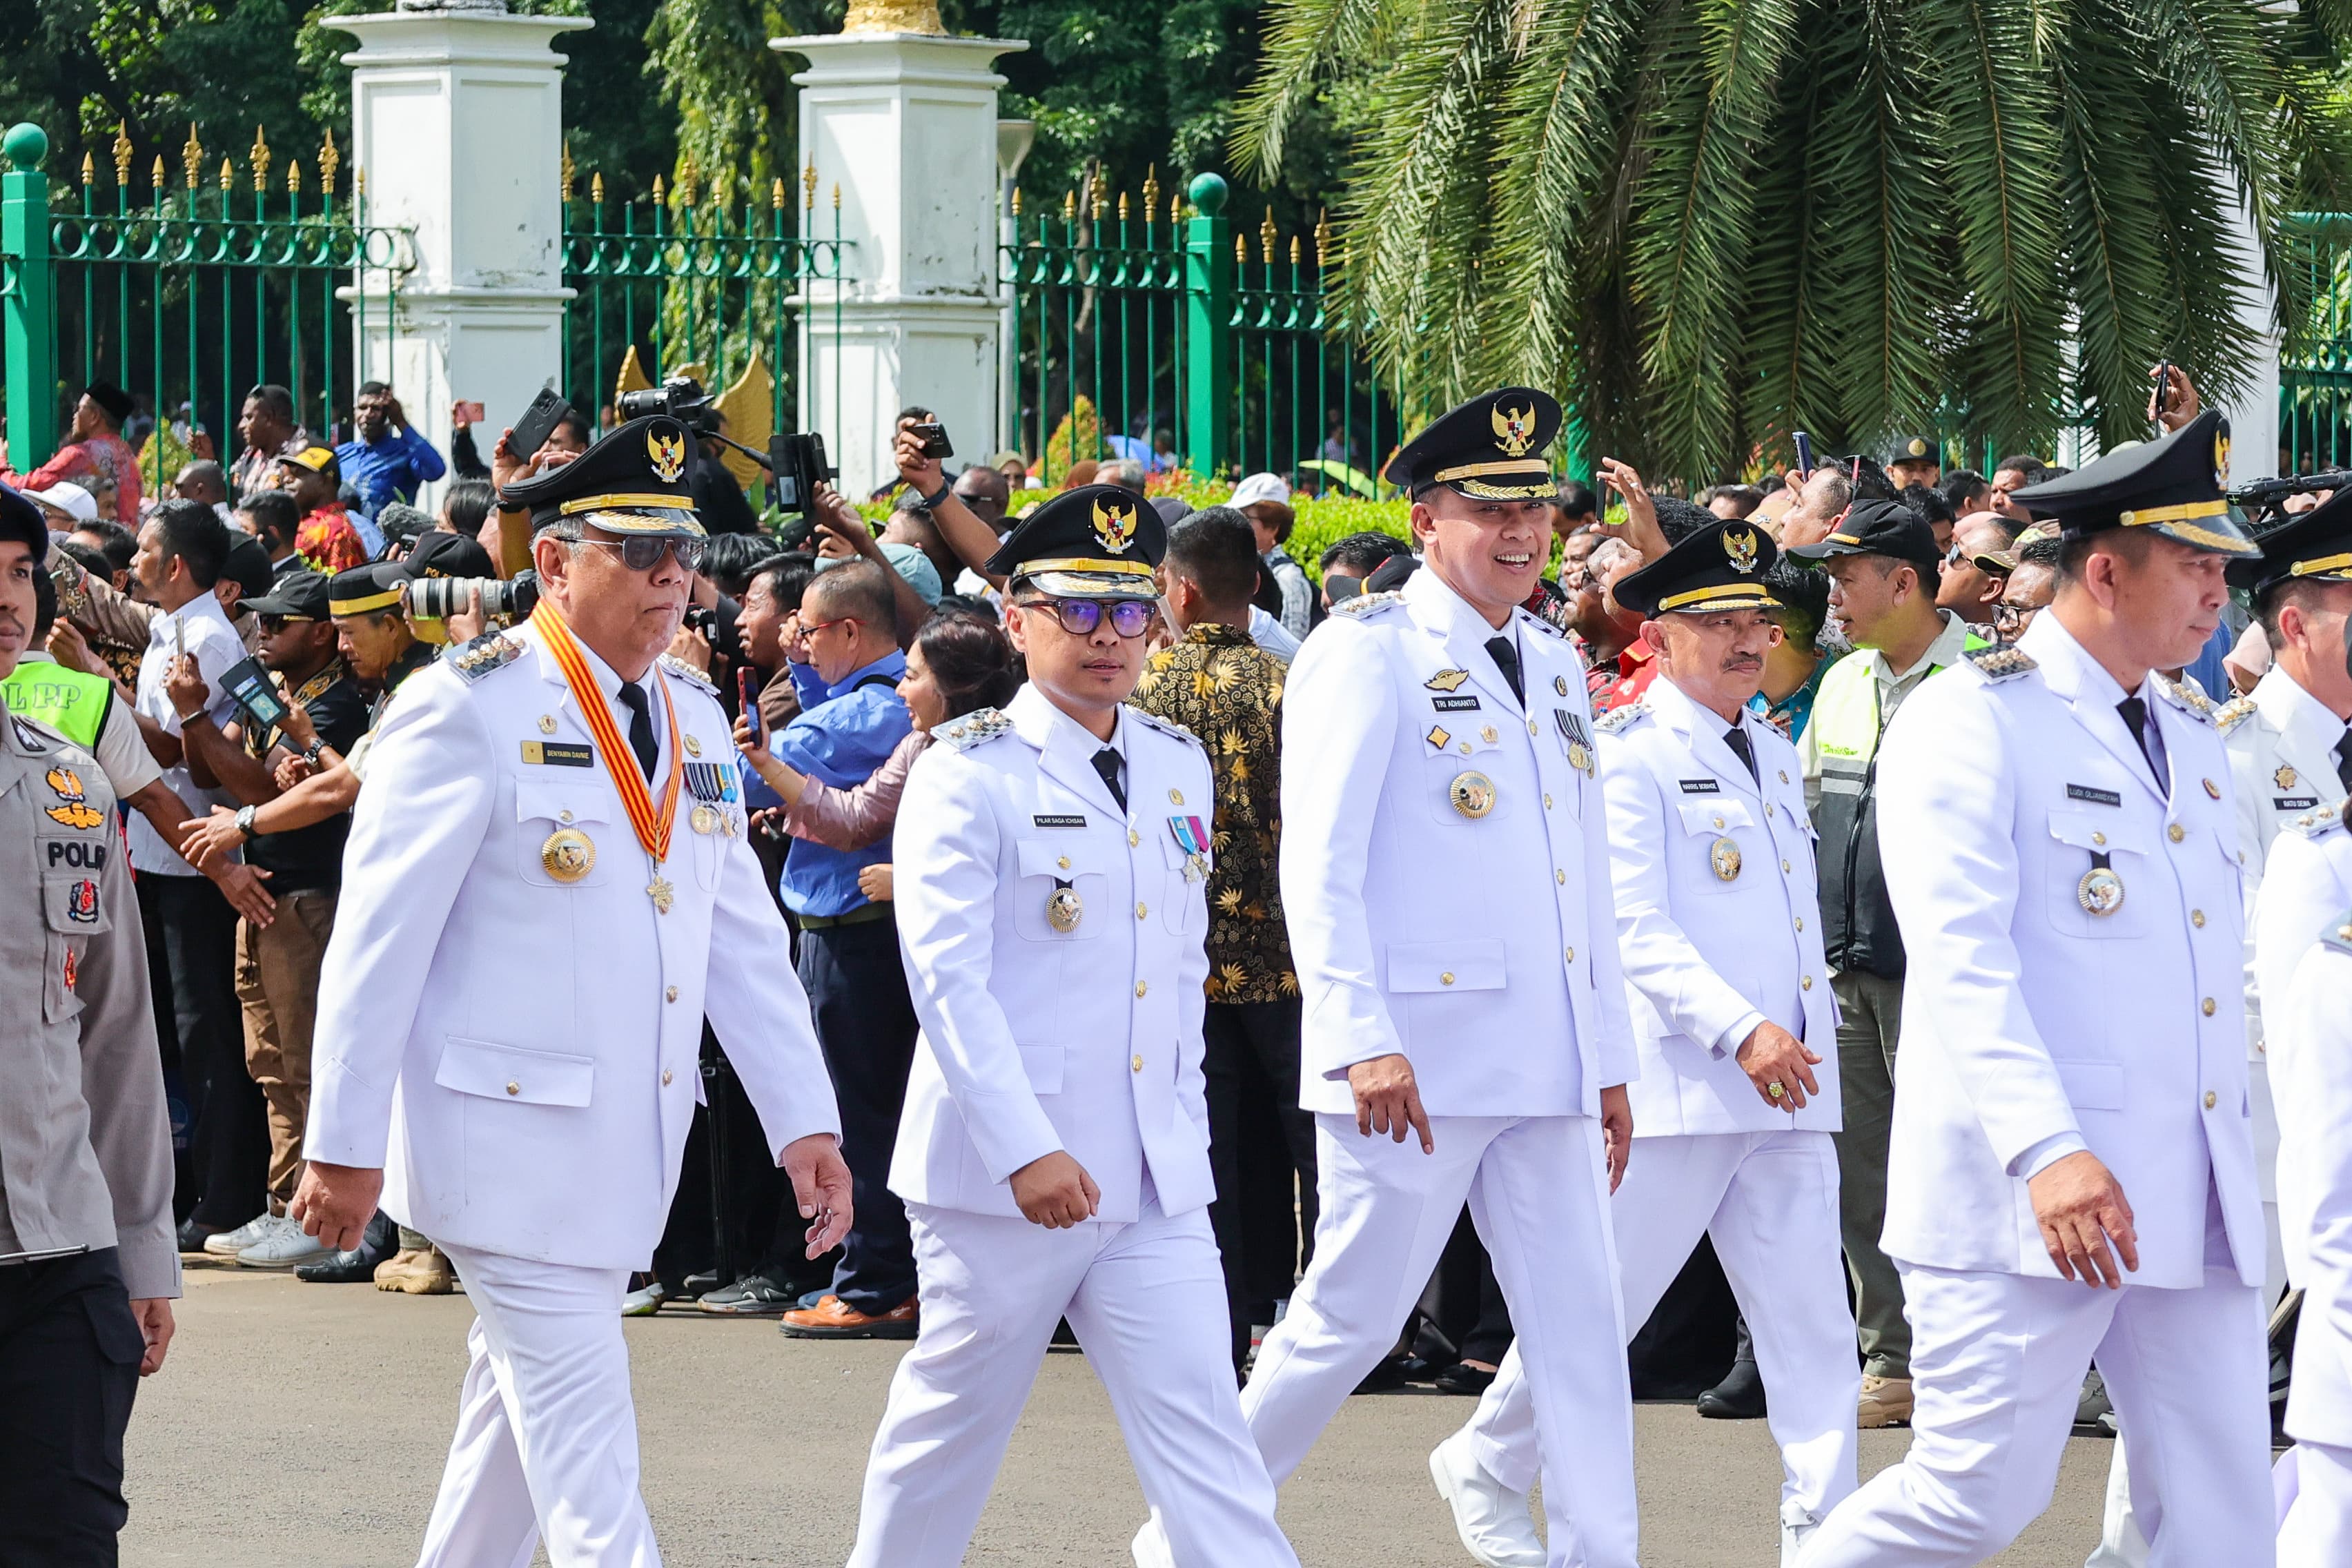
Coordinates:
x,y
855,817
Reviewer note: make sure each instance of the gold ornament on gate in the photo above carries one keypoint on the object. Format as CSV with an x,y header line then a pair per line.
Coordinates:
x,y
568,855
1471,793
1065,909
2100,892
1724,855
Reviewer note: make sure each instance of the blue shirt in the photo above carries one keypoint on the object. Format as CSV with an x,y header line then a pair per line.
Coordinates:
x,y
844,732
389,468
2206,667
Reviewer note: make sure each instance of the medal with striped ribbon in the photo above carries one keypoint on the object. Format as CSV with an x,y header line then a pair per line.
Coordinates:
x,y
652,824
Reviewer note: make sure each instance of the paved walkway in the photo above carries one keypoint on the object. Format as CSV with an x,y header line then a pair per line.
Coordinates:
x,y
303,1426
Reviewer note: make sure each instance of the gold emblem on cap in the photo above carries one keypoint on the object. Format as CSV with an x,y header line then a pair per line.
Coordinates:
x,y
1917,448
1739,545
1063,909
1724,855
1448,680
2285,776
1471,793
1515,430
668,455
568,855
2100,892
1115,526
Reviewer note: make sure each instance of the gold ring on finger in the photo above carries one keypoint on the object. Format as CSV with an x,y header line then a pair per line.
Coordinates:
x,y
1774,1091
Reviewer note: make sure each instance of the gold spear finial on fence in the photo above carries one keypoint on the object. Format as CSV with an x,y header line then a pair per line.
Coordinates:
x,y
1122,207
160,176
1323,238
777,199
1241,249
1098,201
686,180
836,195
121,153
657,191
1293,250
808,184
359,183
192,156
260,158
564,173
227,176
293,177
1267,236
1176,207
1070,207
1150,191
329,161
89,168
597,187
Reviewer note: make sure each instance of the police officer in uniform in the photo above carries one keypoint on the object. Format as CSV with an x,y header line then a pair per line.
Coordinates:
x,y
88,1266
1720,927
2072,1165
546,888
1054,1152
1445,876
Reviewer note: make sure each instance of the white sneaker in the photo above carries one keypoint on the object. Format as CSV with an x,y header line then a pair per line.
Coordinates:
x,y
1150,1546
1492,1520
1797,1527
283,1247
229,1243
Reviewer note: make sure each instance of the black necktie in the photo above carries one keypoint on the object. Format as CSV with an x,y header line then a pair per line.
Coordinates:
x,y
1736,739
1507,659
2344,760
641,726
1107,764
2135,712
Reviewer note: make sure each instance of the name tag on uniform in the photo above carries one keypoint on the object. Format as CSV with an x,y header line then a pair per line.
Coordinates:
x,y
1700,786
1454,704
2096,796
1057,821
2293,802
557,754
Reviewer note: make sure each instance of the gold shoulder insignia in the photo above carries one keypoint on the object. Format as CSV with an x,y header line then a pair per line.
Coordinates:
x,y
477,658
2000,663
2326,819
1364,605
2194,703
1622,718
2233,713
2337,933
686,672
981,724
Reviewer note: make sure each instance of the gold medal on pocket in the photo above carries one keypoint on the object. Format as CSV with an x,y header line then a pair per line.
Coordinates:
x,y
568,855
1724,855
1471,793
2100,892
1065,909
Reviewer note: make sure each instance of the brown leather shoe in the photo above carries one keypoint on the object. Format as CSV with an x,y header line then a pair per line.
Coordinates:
x,y
832,1318
1885,1401
413,1272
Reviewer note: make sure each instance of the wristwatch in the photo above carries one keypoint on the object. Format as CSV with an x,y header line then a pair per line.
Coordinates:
x,y
311,752
946,488
245,821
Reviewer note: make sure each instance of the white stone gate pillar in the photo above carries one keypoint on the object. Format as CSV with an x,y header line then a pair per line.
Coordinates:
x,y
905,123
458,126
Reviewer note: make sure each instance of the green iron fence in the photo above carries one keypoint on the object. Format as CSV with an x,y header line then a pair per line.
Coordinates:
x,y
186,295
2315,362
1161,333
694,281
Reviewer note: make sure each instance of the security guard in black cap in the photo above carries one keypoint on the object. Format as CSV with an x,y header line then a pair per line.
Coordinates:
x,y
2072,1168
545,891
1053,1152
1915,460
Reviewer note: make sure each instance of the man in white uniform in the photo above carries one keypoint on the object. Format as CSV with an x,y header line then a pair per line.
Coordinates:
x,y
1054,1152
546,888
1445,876
2073,1167
1711,852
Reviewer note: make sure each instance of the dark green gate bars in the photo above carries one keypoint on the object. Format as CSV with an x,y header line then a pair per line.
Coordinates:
x,y
696,281
2316,361
186,292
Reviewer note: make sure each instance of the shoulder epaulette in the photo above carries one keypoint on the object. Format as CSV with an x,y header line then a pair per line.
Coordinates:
x,y
1622,718
687,672
1367,604
33,738
2233,713
2000,663
1534,622
477,658
2337,933
2193,701
1165,726
2325,819
980,725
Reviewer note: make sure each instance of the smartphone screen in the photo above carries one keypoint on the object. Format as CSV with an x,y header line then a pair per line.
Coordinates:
x,y
747,684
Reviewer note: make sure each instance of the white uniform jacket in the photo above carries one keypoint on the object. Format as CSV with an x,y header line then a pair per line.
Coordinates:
x,y
2282,742
2315,1009
1036,1038
518,1052
2308,886
1709,956
2032,1026
1483,949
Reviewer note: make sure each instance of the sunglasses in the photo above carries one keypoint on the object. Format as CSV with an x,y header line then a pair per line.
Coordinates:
x,y
1079,618
272,624
639,554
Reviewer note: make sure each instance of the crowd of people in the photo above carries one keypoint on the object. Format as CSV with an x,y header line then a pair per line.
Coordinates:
x,y
1723,674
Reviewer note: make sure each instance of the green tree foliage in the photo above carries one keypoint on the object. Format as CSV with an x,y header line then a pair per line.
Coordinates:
x,y
1714,221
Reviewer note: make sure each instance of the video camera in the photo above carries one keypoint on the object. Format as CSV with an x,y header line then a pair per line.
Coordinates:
x,y
796,462
681,397
509,598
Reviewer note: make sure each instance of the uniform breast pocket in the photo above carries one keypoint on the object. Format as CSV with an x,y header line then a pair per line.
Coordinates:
x,y
565,836
1065,891
72,911
1719,834
1460,774
2096,864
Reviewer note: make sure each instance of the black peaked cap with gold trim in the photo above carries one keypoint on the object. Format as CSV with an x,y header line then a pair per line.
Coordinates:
x,y
2172,485
2315,547
1489,448
1096,541
367,590
1717,568
638,478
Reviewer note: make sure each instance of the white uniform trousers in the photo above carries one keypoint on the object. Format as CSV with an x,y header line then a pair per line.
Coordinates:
x,y
2316,1531
546,1434
1997,1366
1538,1191
1770,1202
1147,1301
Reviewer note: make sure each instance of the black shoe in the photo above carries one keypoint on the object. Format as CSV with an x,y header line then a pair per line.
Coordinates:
x,y
357,1265
752,1296
1464,1378
1738,1397
1385,1378
191,1235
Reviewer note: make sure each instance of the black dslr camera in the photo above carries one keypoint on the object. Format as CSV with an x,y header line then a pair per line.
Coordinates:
x,y
681,397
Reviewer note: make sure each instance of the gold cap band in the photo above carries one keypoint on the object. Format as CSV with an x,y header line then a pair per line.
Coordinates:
x,y
1519,469
621,501
2321,567
1082,563
382,601
1722,596
2148,514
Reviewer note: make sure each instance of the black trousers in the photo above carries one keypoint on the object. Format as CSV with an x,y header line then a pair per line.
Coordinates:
x,y
1262,1152
229,1134
69,1352
866,1022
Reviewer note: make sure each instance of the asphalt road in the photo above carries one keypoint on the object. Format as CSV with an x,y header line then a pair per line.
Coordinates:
x,y
303,1425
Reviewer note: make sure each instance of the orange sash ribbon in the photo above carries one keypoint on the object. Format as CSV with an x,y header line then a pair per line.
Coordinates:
x,y
653,827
